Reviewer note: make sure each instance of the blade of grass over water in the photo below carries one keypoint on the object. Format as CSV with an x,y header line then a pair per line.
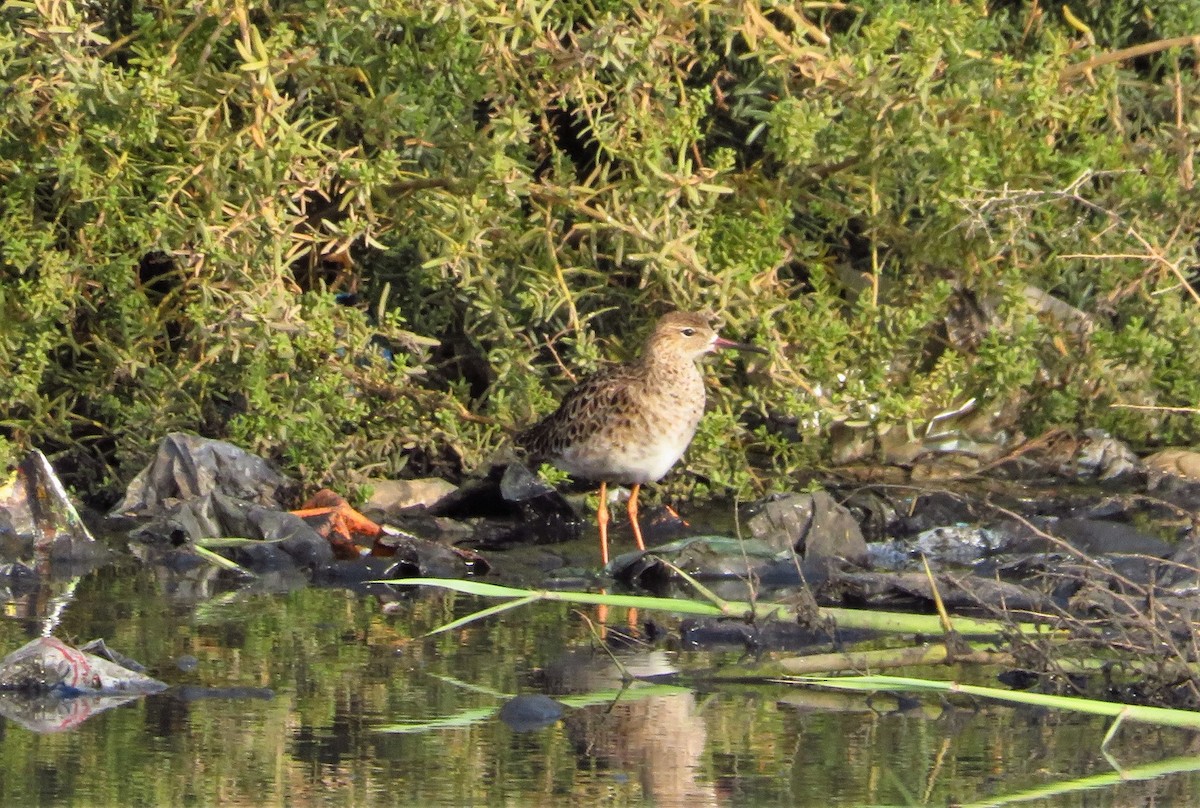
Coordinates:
x,y
488,612
1162,716
235,541
464,718
907,657
894,622
1149,771
221,561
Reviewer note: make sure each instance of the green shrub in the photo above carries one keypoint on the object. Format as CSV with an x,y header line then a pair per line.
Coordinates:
x,y
184,190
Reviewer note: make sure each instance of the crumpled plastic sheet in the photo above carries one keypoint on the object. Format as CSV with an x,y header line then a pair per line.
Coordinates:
x,y
34,507
48,665
198,489
287,539
188,467
48,686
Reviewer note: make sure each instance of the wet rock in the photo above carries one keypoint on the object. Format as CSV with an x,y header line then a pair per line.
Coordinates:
x,y
814,525
875,512
436,528
661,523
189,467
484,496
431,559
260,557
530,712
519,506
1102,457
1184,463
771,635
887,511
358,573
933,509
953,545
390,498
1098,537
1180,572
957,591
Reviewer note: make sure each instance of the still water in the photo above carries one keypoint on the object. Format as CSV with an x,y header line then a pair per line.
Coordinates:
x,y
337,701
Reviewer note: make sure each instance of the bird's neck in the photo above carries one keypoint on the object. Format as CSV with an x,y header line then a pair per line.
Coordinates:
x,y
669,369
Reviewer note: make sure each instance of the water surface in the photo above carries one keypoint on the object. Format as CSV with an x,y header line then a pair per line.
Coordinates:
x,y
318,673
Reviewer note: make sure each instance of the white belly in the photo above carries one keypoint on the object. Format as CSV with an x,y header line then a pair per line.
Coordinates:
x,y
641,455
640,463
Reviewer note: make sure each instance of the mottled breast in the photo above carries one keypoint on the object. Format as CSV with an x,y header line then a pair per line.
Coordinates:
x,y
633,429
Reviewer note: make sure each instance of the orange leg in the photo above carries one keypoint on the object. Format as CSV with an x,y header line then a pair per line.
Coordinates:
x,y
602,518
633,515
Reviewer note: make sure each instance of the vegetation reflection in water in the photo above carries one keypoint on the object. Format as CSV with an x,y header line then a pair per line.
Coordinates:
x,y
342,670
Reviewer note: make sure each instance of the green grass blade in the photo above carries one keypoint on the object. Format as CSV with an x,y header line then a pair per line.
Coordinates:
x,y
1045,794
587,598
1163,716
221,561
461,585
459,720
232,541
482,613
890,622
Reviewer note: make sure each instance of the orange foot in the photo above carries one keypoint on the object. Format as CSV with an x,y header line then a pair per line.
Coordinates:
x,y
333,518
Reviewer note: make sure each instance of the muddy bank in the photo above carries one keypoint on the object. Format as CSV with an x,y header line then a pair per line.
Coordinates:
x,y
1098,545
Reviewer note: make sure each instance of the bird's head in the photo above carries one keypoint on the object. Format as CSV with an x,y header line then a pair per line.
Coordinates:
x,y
690,335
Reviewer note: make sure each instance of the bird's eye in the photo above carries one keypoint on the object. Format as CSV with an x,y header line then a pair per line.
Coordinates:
x,y
688,332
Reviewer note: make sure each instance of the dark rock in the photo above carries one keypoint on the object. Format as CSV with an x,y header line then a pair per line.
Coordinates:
x,y
356,573
771,635
814,525
519,506
661,524
1180,572
929,510
527,713
956,591
1098,537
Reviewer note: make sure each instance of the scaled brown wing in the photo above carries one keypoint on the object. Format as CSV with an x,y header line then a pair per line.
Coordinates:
x,y
604,391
